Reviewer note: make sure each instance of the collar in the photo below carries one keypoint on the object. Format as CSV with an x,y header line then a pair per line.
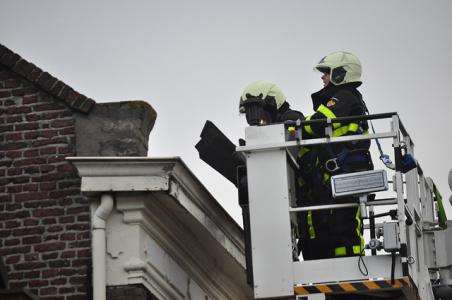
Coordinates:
x,y
329,91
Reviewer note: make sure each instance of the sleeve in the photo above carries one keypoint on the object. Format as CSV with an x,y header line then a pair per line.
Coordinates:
x,y
341,104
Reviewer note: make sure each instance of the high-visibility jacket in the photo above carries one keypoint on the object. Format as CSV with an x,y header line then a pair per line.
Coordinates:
x,y
320,228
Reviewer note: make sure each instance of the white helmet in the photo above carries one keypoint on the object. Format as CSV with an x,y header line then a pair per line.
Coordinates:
x,y
265,91
343,67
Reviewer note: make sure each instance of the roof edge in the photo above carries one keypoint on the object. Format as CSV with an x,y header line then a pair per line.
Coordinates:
x,y
45,81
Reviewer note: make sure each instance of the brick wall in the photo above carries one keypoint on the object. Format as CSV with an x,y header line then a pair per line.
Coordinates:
x,y
44,219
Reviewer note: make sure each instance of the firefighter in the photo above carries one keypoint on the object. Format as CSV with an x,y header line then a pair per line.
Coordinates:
x,y
264,103
332,233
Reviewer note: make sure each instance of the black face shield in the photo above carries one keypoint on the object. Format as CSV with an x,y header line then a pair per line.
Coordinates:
x,y
259,113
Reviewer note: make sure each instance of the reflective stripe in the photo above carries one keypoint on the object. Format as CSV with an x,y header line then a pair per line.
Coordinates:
x,y
326,177
328,113
291,128
352,127
308,127
302,151
310,225
340,251
358,229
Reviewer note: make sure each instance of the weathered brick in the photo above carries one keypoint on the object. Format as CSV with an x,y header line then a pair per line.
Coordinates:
x,y
13,154
39,213
14,189
31,240
29,161
12,224
38,283
31,153
26,126
12,242
14,119
48,256
31,170
32,274
48,186
14,146
68,254
48,150
13,259
48,291
48,106
32,117
15,136
67,237
31,196
62,263
15,250
59,281
51,237
14,110
49,221
50,273
30,99
62,123
31,257
55,228
52,141
28,231
49,247
66,219
21,179
30,222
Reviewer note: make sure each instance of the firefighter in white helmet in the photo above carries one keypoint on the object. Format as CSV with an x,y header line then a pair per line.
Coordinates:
x,y
333,233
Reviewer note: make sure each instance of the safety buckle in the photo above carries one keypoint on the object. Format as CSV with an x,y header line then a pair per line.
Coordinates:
x,y
331,165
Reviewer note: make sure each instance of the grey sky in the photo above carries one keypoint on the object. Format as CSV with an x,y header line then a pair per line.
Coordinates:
x,y
191,59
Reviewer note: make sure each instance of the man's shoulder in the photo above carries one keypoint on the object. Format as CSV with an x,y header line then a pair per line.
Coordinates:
x,y
346,95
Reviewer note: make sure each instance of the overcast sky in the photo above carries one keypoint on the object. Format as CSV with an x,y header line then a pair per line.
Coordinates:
x,y
191,59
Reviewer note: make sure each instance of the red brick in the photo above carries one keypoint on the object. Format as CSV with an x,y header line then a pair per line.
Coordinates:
x,y
77,210
68,254
77,280
5,94
13,154
17,180
52,141
38,283
12,224
32,257
62,123
12,83
67,237
12,242
31,135
24,91
59,281
47,186
49,221
66,290
18,284
48,150
80,262
39,213
14,146
29,266
87,105
14,189
14,119
14,259
56,228
26,126
30,222
49,247
67,272
84,253
66,219
5,128
15,110
30,196
16,136
63,193
51,237
28,231
13,207
62,263
48,291
50,273
31,240
29,161
48,106
30,99
31,170
32,274
78,227
32,117
47,256
15,250
31,153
